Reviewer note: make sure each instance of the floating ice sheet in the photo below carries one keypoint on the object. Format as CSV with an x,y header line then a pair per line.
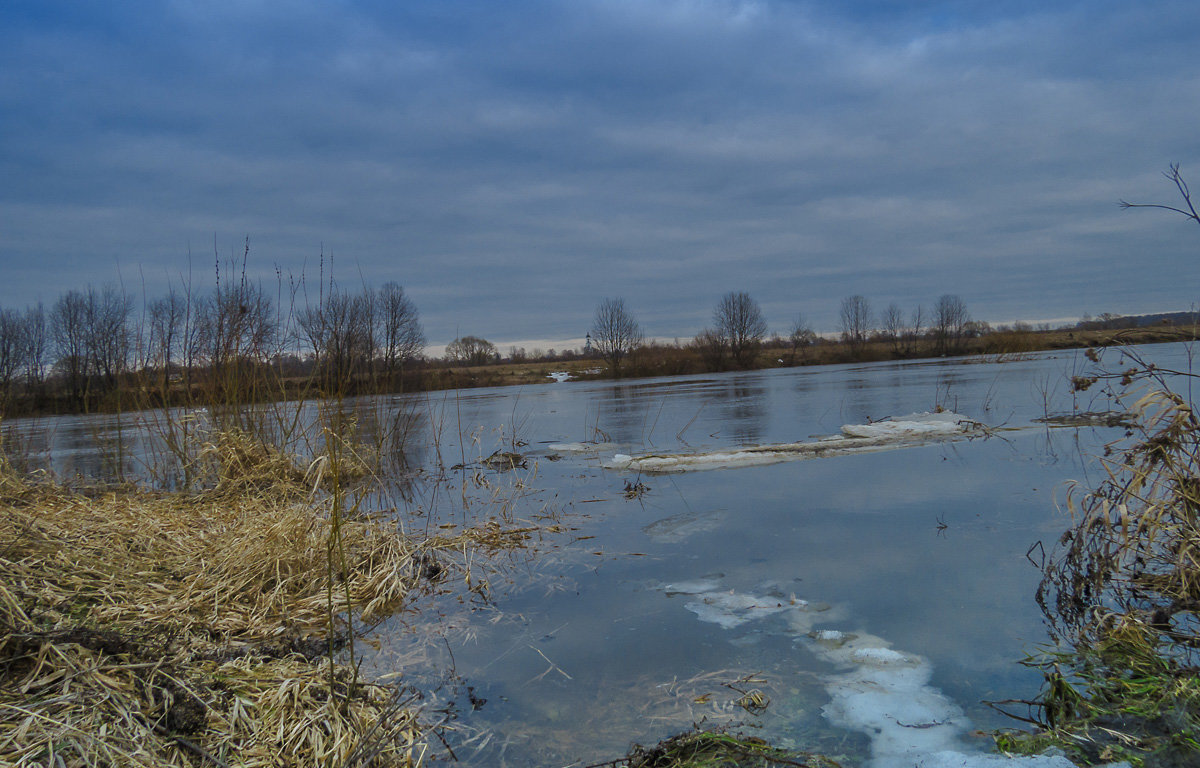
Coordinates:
x,y
580,447
895,432
878,691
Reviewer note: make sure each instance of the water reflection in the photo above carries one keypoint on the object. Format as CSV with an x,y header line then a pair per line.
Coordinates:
x,y
743,406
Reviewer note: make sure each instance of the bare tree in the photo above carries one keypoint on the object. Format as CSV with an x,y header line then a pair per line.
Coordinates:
x,y
615,332
856,321
471,350
108,333
950,320
340,332
12,348
236,324
34,341
712,347
168,317
892,324
91,334
68,327
401,337
915,328
801,336
739,321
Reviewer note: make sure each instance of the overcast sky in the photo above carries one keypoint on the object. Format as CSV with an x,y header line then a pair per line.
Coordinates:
x,y
513,163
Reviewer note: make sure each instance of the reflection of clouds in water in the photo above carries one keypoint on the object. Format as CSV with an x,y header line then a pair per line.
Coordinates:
x,y
684,525
877,691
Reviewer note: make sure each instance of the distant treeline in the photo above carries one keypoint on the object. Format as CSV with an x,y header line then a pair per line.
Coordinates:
x,y
738,337
100,349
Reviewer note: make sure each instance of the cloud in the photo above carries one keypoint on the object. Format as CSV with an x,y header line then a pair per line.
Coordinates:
x,y
513,164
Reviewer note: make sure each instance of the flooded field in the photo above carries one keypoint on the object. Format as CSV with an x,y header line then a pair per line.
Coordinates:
x,y
848,574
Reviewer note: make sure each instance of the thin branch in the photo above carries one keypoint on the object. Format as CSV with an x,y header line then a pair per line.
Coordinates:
x,y
1176,176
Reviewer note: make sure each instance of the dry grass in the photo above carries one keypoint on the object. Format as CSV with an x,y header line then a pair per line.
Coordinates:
x,y
149,629
1122,590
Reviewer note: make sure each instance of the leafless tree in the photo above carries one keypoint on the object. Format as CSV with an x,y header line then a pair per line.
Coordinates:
x,y
34,342
892,323
615,333
340,331
168,317
950,320
913,333
68,327
471,350
12,348
739,321
918,321
108,332
401,337
236,324
712,348
856,321
91,334
801,336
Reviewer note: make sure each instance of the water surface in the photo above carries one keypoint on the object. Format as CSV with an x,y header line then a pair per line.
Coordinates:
x,y
587,647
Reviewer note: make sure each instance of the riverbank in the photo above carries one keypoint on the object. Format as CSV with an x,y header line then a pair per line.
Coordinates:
x,y
677,360
149,629
258,384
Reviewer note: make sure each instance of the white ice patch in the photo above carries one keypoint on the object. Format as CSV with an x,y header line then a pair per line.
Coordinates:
x,y
579,447
880,657
895,432
878,691
697,587
885,695
914,425
730,609
559,376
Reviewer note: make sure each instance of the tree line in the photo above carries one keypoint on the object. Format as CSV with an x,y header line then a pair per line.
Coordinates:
x,y
93,344
739,331
239,341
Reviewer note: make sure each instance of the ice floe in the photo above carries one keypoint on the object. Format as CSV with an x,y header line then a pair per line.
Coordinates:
x,y
881,692
894,432
580,447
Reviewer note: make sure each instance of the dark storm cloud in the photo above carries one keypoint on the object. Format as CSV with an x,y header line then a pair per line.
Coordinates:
x,y
514,163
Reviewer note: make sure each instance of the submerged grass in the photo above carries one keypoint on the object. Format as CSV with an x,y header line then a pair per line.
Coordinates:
x,y
154,629
717,749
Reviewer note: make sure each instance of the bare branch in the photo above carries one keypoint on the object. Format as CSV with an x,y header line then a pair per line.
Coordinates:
x,y
1176,176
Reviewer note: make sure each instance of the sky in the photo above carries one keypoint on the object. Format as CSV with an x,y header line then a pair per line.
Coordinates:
x,y
512,164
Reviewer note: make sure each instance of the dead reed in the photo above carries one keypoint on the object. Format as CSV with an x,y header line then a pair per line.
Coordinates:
x,y
152,629
1122,590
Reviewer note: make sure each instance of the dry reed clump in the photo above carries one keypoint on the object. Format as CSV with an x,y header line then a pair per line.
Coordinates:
x,y
241,463
151,629
1133,551
1123,589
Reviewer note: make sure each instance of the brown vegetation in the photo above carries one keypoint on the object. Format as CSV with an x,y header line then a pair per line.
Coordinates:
x,y
215,627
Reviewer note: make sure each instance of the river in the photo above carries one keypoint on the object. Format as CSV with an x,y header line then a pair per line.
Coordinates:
x,y
779,594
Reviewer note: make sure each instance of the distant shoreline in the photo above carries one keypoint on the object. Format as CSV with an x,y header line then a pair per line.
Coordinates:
x,y
146,391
